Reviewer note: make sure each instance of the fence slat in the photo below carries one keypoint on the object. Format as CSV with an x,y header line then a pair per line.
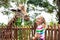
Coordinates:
x,y
55,32
16,34
58,32
51,33
48,33
45,34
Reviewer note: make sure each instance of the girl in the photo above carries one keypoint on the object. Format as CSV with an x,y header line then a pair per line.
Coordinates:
x,y
40,28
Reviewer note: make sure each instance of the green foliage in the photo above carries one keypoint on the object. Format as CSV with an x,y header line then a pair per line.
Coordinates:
x,y
4,3
27,23
42,3
5,12
51,23
23,1
18,22
50,8
2,25
35,2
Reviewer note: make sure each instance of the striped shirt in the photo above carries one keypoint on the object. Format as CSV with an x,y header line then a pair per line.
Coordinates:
x,y
40,30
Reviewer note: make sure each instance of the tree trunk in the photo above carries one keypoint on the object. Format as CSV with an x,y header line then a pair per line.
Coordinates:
x,y
58,13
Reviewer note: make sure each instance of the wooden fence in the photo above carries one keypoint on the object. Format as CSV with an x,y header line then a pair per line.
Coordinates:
x,y
51,33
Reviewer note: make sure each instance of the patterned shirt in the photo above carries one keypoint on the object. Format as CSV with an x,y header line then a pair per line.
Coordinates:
x,y
40,30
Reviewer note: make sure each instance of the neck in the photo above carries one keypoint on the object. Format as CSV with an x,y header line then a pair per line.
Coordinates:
x,y
12,21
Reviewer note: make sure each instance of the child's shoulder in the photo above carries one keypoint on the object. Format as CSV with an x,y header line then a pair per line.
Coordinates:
x,y
44,25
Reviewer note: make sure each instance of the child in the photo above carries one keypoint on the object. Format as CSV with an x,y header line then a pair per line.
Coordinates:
x,y
40,29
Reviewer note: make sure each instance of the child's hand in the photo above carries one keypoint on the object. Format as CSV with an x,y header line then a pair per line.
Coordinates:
x,y
33,38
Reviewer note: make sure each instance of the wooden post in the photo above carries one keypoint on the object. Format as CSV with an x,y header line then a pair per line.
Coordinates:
x,y
55,31
51,33
48,33
16,34
59,32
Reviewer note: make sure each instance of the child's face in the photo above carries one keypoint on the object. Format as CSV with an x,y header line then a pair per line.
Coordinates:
x,y
39,21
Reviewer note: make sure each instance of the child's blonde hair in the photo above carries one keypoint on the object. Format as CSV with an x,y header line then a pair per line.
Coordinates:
x,y
42,19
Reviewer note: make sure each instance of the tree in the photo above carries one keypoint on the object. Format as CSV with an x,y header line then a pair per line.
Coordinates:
x,y
58,12
57,2
41,3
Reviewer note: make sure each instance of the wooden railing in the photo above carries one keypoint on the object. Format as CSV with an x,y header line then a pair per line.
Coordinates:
x,y
51,33
16,33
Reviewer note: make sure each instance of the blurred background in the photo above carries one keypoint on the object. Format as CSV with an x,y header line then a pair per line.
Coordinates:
x,y
49,9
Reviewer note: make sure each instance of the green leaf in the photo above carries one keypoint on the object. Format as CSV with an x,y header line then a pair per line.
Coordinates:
x,y
18,22
28,22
